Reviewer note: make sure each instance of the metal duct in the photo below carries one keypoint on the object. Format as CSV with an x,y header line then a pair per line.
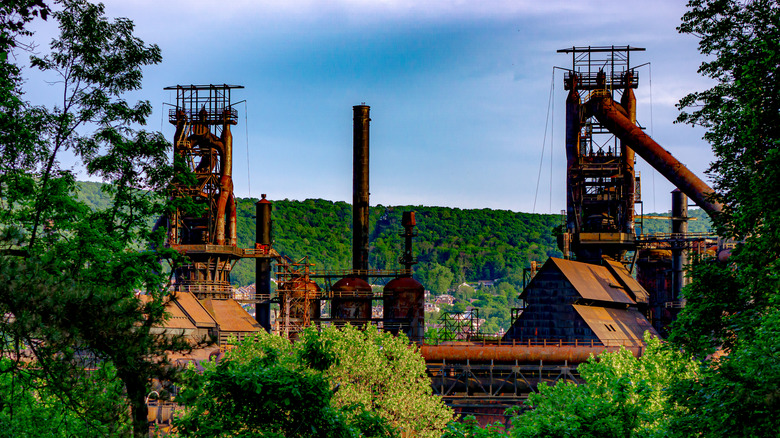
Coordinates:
x,y
610,115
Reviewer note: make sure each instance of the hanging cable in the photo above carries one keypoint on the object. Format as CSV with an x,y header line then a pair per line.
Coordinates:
x,y
544,141
246,127
552,137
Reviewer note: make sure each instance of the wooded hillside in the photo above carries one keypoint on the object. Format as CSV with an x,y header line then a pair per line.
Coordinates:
x,y
471,244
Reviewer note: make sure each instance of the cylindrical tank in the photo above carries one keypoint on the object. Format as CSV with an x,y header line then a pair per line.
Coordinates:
x,y
404,308
351,300
296,291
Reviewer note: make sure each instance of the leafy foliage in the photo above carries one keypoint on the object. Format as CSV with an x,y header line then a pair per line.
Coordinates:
x,y
735,395
379,372
701,224
742,116
623,396
322,230
471,244
258,397
734,306
469,427
70,275
340,382
29,408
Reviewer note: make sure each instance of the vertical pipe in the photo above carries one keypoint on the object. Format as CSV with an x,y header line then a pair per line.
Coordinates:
x,y
573,128
263,269
226,176
628,102
360,189
679,228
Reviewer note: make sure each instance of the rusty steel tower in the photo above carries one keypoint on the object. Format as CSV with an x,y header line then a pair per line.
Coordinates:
x,y
601,185
203,226
206,232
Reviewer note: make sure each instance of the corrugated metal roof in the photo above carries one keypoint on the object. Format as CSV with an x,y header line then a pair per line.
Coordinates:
x,y
176,318
616,326
637,292
593,282
194,310
230,316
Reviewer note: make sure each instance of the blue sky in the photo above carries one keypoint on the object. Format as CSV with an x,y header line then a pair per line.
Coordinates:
x,y
458,91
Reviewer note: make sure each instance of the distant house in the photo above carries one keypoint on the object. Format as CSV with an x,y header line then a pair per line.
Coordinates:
x,y
485,283
431,308
445,299
569,301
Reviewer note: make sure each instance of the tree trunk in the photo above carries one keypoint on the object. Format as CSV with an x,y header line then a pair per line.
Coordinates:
x,y
136,394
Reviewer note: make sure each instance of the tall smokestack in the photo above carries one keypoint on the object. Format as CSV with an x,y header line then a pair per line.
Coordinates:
x,y
263,269
679,228
360,189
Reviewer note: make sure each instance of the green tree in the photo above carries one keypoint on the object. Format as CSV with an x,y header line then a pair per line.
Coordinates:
x,y
30,409
734,306
438,279
338,382
623,396
736,395
741,114
469,427
379,372
257,390
70,275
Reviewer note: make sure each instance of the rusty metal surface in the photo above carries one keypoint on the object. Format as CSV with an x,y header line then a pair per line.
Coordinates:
x,y
607,112
634,289
360,190
628,102
593,282
263,265
520,353
176,318
226,250
352,298
230,316
616,326
403,300
680,227
194,310
355,285
572,154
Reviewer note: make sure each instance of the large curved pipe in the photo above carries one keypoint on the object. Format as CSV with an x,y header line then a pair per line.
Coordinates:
x,y
520,353
613,118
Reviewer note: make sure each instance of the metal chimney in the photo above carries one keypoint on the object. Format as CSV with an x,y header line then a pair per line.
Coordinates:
x,y
360,190
679,230
263,268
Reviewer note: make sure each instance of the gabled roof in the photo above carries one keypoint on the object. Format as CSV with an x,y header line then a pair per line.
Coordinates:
x,y
616,326
230,316
194,310
634,289
592,282
176,318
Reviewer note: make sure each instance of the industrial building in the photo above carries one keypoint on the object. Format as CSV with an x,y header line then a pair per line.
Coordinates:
x,y
585,303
